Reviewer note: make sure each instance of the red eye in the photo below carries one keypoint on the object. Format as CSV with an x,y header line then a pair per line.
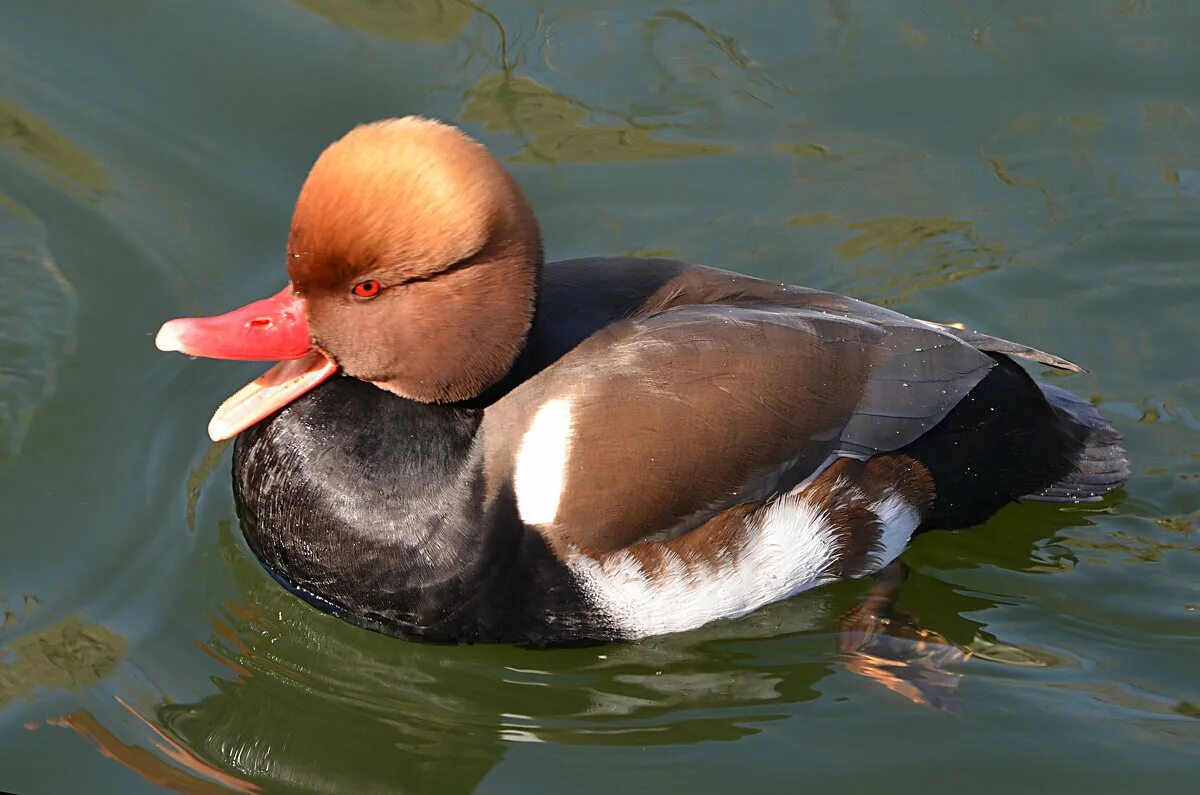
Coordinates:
x,y
368,289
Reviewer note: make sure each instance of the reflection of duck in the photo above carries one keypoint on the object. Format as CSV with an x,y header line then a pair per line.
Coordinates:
x,y
308,703
598,448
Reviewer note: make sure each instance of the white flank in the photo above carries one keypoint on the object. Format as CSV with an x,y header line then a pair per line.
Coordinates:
x,y
898,519
788,548
541,466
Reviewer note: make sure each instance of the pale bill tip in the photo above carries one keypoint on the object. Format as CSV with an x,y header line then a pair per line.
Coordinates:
x,y
168,338
219,430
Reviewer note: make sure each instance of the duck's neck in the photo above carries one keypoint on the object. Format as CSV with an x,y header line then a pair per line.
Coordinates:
x,y
375,504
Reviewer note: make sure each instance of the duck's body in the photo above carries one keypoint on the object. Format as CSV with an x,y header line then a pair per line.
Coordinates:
x,y
648,466
604,448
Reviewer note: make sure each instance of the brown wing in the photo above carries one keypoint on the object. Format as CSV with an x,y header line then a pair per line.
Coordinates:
x,y
676,415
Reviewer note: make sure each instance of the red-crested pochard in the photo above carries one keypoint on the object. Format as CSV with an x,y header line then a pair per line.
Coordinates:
x,y
600,448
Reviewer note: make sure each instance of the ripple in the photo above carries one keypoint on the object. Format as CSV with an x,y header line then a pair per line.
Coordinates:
x,y
37,321
50,149
553,128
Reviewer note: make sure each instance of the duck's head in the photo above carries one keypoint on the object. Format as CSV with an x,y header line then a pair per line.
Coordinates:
x,y
413,258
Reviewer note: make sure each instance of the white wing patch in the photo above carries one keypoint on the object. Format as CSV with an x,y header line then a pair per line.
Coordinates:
x,y
898,519
788,548
541,468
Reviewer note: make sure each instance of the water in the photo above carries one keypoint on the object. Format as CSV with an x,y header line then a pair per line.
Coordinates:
x,y
1031,169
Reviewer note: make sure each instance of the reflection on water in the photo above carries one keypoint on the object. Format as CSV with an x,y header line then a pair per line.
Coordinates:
x,y
951,251
209,463
1029,169
67,654
307,702
403,20
50,149
37,321
191,776
551,124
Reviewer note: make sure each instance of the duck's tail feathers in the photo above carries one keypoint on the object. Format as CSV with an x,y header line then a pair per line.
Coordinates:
x,y
1101,466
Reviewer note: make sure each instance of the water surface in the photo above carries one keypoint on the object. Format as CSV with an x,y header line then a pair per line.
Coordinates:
x,y
1030,169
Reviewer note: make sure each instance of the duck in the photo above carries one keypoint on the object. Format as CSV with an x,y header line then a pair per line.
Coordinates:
x,y
461,442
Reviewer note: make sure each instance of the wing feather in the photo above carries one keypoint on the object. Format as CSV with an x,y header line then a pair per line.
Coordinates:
x,y
684,412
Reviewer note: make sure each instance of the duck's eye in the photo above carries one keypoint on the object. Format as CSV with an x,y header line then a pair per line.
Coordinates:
x,y
368,289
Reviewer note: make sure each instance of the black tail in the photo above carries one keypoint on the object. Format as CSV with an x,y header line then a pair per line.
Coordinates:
x,y
1100,467
1012,437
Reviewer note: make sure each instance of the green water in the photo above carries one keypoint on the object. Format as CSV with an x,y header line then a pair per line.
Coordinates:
x,y
1029,168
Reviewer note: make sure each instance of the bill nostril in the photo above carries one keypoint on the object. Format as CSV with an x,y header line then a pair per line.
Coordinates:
x,y
260,322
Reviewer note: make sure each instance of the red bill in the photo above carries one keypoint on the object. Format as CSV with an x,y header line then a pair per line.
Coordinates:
x,y
270,329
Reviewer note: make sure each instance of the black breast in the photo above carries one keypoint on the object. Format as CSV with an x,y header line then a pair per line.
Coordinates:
x,y
372,506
